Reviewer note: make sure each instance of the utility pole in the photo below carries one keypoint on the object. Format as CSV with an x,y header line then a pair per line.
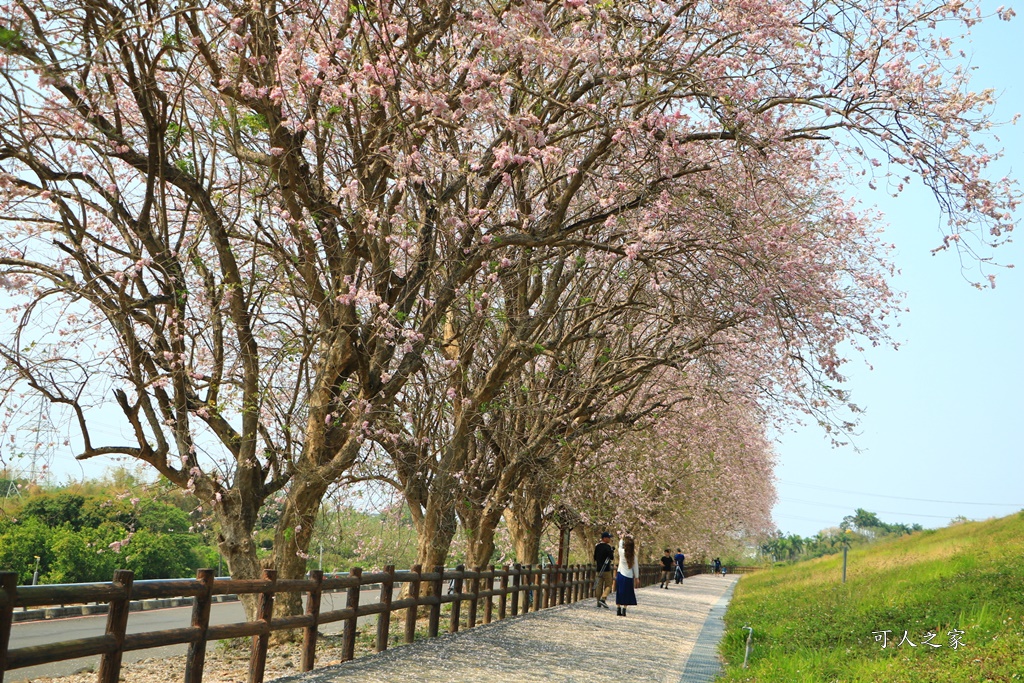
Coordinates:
x,y
846,547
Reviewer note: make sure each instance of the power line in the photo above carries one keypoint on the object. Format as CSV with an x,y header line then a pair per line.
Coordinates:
x,y
804,519
880,495
847,507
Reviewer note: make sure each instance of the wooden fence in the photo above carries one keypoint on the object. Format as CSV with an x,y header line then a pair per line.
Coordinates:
x,y
519,589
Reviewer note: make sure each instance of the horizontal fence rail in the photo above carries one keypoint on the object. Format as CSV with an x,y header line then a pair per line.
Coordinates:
x,y
504,592
531,587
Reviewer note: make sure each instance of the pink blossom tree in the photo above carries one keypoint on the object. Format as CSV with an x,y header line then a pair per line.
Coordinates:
x,y
698,477
246,226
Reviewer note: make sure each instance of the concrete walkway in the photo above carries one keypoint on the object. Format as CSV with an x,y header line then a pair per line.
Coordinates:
x,y
670,637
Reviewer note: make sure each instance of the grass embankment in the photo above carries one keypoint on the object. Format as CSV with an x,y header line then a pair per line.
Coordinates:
x,y
810,627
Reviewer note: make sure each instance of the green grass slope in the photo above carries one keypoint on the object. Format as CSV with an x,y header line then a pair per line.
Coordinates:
x,y
964,584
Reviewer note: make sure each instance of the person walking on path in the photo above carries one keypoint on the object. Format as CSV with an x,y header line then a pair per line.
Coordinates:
x,y
680,568
666,568
718,565
603,555
627,579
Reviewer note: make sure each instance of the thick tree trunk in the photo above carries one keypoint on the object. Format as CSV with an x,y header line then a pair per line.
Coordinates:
x,y
292,537
525,520
480,525
316,472
440,521
437,530
436,524
481,549
234,539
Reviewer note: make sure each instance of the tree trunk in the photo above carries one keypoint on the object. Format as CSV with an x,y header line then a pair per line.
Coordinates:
x,y
292,537
525,520
435,528
480,525
236,545
437,531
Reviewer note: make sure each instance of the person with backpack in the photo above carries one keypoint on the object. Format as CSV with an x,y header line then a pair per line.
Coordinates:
x,y
680,568
603,556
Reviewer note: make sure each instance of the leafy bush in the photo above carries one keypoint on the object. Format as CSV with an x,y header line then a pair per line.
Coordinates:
x,y
84,536
19,546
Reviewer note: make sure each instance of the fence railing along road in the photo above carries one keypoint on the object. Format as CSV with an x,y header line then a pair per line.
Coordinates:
x,y
519,589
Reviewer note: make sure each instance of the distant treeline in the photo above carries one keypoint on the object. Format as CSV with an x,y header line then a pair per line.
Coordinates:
x,y
857,529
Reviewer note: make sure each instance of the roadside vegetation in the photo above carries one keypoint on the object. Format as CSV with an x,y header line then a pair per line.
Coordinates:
x,y
964,584
83,531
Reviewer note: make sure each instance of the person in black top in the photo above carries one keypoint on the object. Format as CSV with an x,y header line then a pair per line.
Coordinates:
x,y
667,562
603,555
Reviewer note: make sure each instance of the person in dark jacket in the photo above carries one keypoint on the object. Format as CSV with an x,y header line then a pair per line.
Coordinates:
x,y
603,557
667,563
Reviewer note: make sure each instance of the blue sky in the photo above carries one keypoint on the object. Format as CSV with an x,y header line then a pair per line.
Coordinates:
x,y
944,416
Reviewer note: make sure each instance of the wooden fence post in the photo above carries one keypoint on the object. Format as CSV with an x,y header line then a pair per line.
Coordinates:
x,y
117,623
196,657
538,592
489,605
313,610
453,625
387,589
502,599
435,609
348,636
264,612
413,612
516,581
528,590
552,579
549,579
556,585
474,588
9,585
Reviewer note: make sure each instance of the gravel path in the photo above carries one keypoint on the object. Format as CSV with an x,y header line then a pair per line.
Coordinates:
x,y
576,643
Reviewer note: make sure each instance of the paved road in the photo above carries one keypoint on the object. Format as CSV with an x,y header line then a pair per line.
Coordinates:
x,y
28,633
670,637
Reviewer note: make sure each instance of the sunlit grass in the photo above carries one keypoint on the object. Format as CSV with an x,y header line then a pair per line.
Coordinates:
x,y
809,626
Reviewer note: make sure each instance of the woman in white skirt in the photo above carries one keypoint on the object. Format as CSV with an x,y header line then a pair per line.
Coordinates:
x,y
627,579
